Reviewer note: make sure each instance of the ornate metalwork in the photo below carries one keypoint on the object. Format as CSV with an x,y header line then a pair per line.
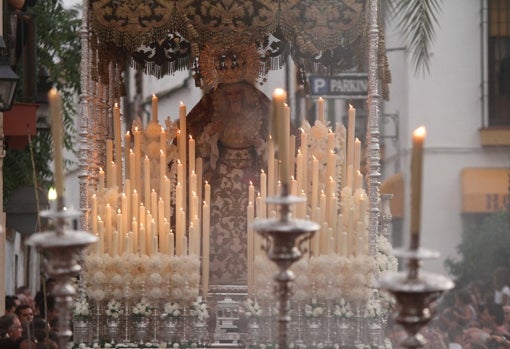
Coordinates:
x,y
164,57
62,248
414,293
284,235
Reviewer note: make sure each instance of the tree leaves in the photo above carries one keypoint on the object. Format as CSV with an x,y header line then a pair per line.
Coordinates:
x,y
417,21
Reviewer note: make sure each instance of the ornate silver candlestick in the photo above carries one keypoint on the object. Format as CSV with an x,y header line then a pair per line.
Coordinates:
x,y
414,292
61,249
284,235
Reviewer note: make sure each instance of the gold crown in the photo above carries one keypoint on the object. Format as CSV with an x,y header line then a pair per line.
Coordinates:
x,y
228,64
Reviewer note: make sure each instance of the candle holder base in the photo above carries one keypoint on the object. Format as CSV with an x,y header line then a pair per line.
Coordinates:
x,y
62,248
414,292
284,236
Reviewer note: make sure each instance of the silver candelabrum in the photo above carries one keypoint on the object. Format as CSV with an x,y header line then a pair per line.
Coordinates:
x,y
61,248
414,291
284,237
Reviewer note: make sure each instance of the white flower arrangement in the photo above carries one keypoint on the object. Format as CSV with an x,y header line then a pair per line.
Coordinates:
x,y
81,309
343,309
113,309
252,308
171,309
199,309
373,309
142,309
313,309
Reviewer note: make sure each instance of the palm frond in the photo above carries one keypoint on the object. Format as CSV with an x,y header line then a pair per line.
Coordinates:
x,y
417,21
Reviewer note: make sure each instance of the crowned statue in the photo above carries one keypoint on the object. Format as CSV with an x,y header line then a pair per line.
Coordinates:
x,y
230,125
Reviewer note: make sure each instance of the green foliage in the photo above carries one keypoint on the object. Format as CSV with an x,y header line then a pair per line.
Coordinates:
x,y
417,21
58,49
484,247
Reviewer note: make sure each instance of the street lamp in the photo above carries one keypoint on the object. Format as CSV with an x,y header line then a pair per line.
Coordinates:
x,y
8,79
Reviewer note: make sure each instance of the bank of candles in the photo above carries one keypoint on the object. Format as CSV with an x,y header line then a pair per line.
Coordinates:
x,y
333,188
139,222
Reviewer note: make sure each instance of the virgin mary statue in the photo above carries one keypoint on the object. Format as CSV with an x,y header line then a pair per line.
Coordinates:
x,y
230,127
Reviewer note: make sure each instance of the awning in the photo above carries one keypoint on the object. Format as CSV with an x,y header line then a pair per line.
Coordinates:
x,y
485,189
395,185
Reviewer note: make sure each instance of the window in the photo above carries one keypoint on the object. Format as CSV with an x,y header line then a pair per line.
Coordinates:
x,y
499,62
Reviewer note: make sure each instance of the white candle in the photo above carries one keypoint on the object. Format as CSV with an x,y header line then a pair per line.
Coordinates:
x,y
109,161
127,150
270,168
320,109
115,243
191,234
263,194
350,142
113,179
357,156
304,151
142,214
154,108
108,228
118,227
127,191
191,152
416,184
148,234
118,143
299,170
132,170
205,248
182,146
134,231
135,202
129,244
138,159
166,195
207,193
161,218
146,179
251,193
250,247
162,170
339,232
154,204
315,183
155,246
180,233
142,239
171,242
179,202
162,140
331,140
280,133
100,234
100,180
55,106
292,153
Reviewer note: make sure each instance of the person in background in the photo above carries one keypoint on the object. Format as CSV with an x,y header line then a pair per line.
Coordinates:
x,y
47,286
501,284
504,328
463,312
25,296
41,334
11,334
455,336
25,314
11,302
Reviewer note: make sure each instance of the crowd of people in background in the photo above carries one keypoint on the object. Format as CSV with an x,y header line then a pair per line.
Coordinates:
x,y
29,322
473,317
476,316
